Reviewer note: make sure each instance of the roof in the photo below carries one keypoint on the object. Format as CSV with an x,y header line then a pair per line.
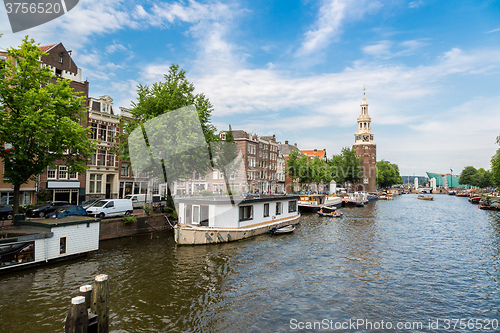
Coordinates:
x,y
45,48
286,149
318,153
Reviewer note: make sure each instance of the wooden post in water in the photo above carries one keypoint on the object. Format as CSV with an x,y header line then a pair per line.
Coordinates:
x,y
86,291
77,320
100,302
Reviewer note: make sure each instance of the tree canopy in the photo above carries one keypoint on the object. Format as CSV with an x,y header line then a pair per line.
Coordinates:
x,y
345,167
40,120
495,165
170,129
473,177
388,174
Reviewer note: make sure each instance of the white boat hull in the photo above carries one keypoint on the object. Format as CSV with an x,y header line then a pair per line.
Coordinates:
x,y
194,235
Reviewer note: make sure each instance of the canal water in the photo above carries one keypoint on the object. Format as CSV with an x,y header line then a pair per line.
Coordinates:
x,y
405,265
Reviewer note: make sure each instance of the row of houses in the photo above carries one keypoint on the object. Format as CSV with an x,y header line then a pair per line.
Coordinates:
x,y
262,167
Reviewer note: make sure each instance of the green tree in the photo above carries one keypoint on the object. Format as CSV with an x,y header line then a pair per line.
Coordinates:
x,y
483,178
345,167
387,174
40,120
495,165
297,168
467,176
167,143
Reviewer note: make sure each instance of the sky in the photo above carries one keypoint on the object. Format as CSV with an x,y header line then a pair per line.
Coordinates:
x,y
298,69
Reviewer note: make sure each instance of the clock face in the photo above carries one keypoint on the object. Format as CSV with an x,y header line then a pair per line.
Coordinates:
x,y
366,137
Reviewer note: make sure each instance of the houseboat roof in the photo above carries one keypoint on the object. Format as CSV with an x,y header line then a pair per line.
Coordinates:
x,y
218,200
59,222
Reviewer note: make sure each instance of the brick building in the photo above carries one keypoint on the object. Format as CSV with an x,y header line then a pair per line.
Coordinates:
x,y
62,184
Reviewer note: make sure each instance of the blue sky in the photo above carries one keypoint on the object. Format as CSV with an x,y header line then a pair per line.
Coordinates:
x,y
297,68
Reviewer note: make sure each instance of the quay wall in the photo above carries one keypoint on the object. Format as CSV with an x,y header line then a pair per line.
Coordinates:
x,y
115,228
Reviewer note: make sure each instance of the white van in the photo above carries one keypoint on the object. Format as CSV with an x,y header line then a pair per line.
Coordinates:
x,y
111,207
138,200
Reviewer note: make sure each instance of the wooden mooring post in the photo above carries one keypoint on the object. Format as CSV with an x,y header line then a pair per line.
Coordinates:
x,y
89,312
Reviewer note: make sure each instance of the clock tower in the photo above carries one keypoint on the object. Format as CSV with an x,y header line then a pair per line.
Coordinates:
x,y
366,150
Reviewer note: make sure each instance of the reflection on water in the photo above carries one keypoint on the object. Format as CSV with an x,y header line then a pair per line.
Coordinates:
x,y
401,260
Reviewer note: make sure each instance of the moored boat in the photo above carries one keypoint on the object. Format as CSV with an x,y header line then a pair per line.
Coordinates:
x,y
283,230
474,200
209,220
357,199
39,241
314,202
425,197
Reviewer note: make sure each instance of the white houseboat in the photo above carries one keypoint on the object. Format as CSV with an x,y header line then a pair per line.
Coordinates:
x,y
207,220
42,240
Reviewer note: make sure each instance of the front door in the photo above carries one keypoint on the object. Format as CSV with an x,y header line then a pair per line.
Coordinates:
x,y
108,191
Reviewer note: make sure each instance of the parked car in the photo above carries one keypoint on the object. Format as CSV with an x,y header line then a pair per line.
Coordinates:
x,y
6,212
89,203
111,207
68,211
46,208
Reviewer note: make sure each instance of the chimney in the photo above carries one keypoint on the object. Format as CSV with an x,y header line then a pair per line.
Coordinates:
x,y
286,142
295,144
315,150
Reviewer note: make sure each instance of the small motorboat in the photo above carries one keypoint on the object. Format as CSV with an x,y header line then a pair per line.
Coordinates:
x,y
330,214
425,197
283,230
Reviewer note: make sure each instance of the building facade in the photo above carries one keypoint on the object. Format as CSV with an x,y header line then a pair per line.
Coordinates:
x,y
58,180
366,150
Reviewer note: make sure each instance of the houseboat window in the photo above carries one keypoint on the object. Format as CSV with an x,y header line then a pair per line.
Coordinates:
x,y
292,206
196,214
62,245
246,213
11,254
266,210
279,208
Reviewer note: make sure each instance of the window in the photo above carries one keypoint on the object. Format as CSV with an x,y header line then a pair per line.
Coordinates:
x,y
95,183
103,132
196,214
60,58
102,157
112,130
292,206
111,160
94,131
246,213
62,245
279,208
63,172
266,210
125,170
51,173
73,175
93,159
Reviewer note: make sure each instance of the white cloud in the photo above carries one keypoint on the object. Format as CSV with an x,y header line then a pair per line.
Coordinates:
x,y
328,26
415,4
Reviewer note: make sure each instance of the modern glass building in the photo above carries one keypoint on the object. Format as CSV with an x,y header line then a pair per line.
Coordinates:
x,y
446,180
